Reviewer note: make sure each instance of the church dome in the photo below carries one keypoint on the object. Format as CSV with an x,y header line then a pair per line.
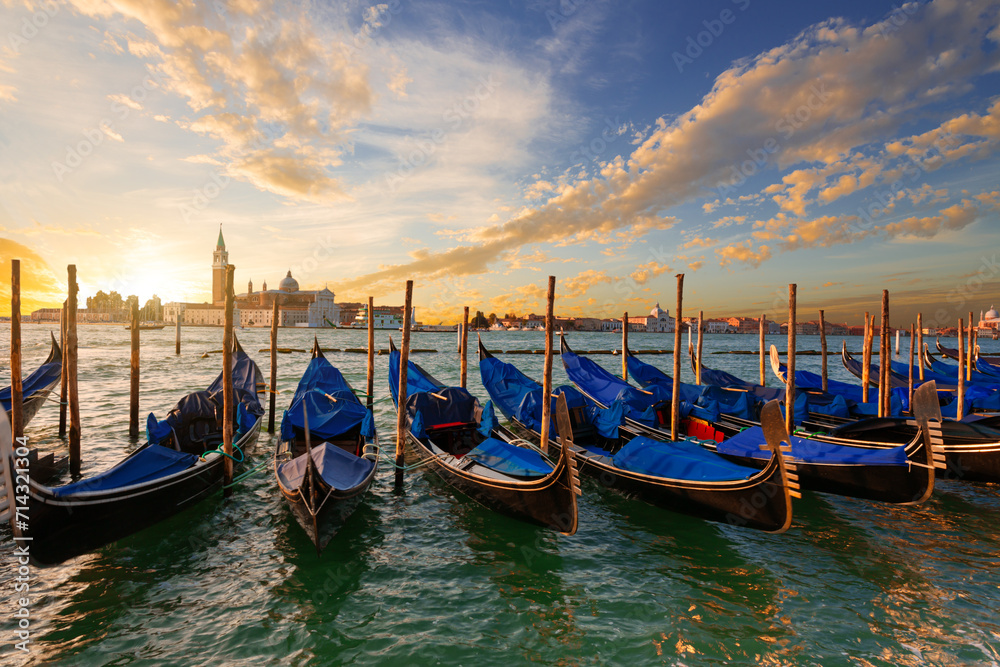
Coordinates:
x,y
289,284
657,312
992,314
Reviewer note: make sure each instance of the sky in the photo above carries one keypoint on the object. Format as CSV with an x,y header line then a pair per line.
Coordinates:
x,y
479,147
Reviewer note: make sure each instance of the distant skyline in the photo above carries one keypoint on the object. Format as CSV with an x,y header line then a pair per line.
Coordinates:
x,y
477,148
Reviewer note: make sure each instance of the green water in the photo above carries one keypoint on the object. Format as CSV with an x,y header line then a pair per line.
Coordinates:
x,y
426,577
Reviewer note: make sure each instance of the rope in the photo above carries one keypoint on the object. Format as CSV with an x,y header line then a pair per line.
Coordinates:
x,y
243,476
392,463
219,451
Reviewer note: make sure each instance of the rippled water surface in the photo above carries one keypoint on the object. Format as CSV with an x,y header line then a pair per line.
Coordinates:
x,y
428,577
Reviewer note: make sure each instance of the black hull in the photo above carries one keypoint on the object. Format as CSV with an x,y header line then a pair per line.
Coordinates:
x,y
63,528
31,404
549,502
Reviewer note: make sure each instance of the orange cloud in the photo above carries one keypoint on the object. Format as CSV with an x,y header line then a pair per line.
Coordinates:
x,y
40,288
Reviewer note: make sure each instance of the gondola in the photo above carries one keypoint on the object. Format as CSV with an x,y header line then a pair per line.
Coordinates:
x,y
680,476
180,464
37,386
938,368
952,353
323,483
859,468
456,439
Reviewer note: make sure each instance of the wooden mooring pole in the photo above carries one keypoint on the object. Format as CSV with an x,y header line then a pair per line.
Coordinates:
x,y
625,346
177,332
790,375
464,346
701,336
970,352
272,388
675,397
133,390
920,344
370,389
885,357
404,363
910,384
16,382
822,348
866,359
73,390
550,299
763,376
960,411
63,347
228,406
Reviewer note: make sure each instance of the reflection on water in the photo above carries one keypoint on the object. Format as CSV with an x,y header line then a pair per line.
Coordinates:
x,y
430,577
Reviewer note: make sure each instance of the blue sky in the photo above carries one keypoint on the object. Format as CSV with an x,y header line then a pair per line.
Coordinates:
x,y
478,147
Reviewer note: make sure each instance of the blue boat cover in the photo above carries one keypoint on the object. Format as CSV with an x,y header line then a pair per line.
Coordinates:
x,y
147,464
44,375
607,389
327,418
678,461
520,398
417,379
510,459
948,373
899,397
747,443
488,420
341,470
457,406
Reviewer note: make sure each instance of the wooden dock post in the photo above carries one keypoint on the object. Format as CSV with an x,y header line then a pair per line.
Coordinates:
x,y
701,335
970,352
920,344
625,346
464,346
790,375
272,387
960,410
885,358
73,390
404,367
228,407
866,358
550,300
763,376
897,342
910,386
675,397
133,391
177,333
63,321
16,382
371,356
822,348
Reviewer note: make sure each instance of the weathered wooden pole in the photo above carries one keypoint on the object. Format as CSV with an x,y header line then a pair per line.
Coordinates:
x,y
133,392
675,397
458,341
970,352
404,366
790,375
822,348
897,342
73,390
625,346
63,321
464,346
763,376
228,406
866,358
177,332
883,354
272,388
701,336
16,383
550,300
910,384
920,343
371,355
960,409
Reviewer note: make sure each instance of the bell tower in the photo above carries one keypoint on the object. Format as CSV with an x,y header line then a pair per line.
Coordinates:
x,y
220,260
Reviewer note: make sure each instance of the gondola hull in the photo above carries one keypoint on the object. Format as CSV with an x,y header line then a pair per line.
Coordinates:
x,y
30,404
61,528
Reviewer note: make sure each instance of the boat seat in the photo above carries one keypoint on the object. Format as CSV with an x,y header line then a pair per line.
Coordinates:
x,y
204,431
583,431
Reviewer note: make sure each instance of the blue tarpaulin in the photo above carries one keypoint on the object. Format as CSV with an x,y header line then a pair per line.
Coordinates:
x,y
332,406
147,464
456,406
44,375
678,461
341,470
747,443
510,459
417,379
